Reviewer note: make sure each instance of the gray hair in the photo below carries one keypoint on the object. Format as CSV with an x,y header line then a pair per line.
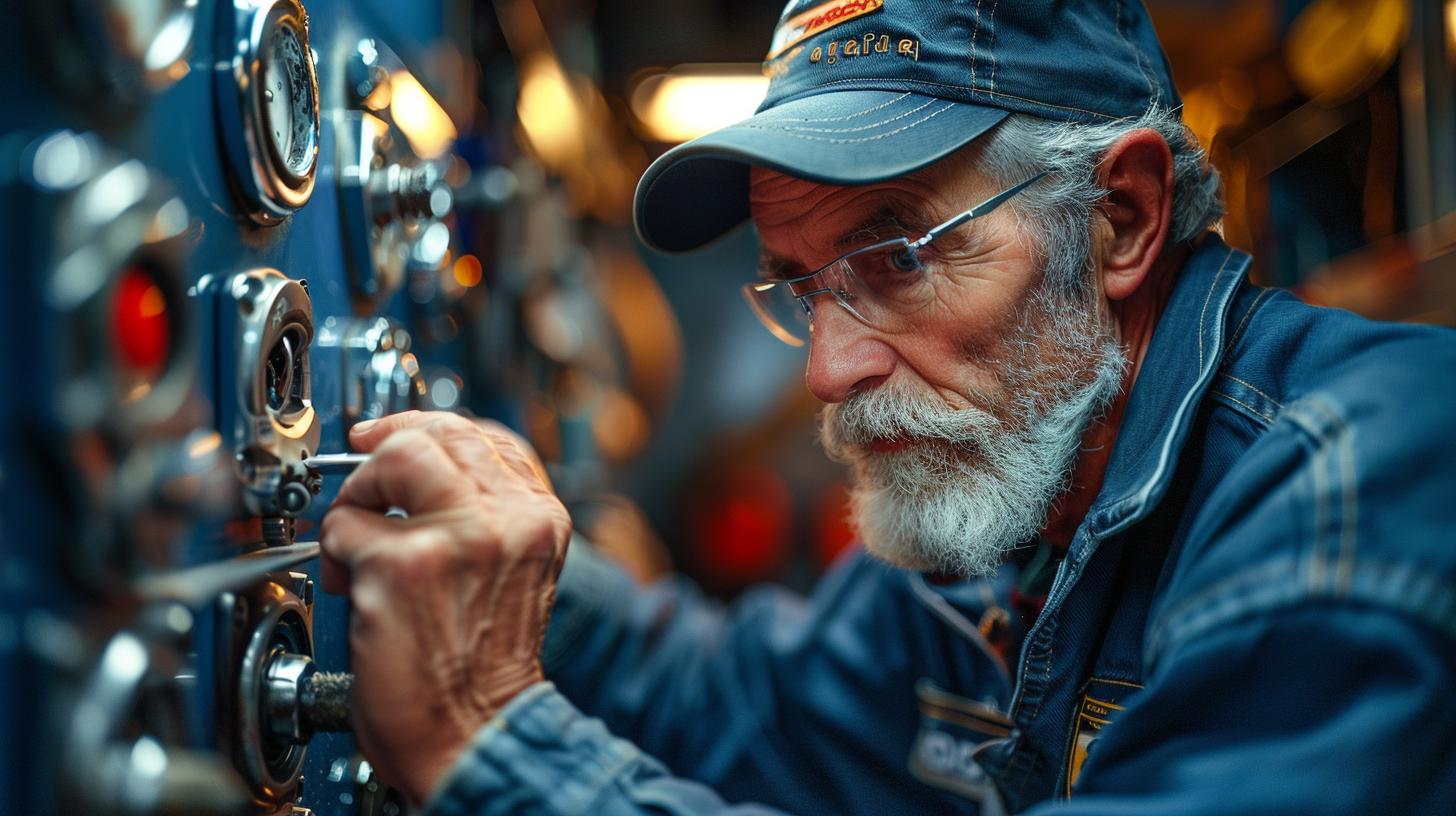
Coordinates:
x,y
1059,208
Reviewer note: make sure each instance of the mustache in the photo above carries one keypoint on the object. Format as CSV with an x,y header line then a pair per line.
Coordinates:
x,y
888,412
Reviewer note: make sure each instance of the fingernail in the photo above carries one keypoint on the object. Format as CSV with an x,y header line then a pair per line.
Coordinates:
x,y
363,427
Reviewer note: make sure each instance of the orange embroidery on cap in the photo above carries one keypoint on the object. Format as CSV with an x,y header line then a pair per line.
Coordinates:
x,y
819,19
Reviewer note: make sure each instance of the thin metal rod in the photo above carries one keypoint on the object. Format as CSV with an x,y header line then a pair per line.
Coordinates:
x,y
336,462
197,585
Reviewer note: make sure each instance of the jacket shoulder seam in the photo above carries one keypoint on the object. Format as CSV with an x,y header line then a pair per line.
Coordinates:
x,y
1273,586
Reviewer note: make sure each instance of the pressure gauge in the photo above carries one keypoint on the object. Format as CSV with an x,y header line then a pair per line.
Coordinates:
x,y
268,106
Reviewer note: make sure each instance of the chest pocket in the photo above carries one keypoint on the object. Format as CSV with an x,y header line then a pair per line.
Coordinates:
x,y
953,731
1101,701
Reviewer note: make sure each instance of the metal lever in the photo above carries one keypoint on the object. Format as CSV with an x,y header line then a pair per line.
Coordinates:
x,y
345,463
336,462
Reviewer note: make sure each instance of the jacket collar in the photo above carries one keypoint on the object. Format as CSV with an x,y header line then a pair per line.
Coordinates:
x,y
1186,349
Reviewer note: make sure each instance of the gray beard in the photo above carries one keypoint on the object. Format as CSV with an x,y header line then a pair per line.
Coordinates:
x,y
976,483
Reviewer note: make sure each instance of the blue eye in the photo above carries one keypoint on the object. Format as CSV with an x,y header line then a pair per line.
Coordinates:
x,y
904,260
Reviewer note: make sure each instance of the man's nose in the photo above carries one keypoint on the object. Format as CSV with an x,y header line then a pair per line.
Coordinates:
x,y
845,356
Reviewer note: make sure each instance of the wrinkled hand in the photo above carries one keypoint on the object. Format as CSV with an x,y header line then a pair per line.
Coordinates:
x,y
449,605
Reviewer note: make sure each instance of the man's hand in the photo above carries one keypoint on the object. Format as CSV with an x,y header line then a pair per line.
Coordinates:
x,y
449,605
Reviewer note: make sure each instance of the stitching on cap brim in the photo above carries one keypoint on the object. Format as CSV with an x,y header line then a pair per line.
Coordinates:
x,y
711,147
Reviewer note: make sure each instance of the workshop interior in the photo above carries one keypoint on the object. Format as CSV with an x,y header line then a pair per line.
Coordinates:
x,y
232,229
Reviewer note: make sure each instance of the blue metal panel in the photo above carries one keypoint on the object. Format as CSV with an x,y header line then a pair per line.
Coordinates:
x,y
46,610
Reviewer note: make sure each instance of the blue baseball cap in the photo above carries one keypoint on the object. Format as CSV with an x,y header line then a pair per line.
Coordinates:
x,y
862,91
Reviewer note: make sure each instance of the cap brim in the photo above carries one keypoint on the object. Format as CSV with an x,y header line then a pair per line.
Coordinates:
x,y
698,191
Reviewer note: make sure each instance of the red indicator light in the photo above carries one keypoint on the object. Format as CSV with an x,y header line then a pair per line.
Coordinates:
x,y
142,335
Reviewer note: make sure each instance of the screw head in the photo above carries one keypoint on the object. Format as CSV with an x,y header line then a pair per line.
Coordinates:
x,y
294,498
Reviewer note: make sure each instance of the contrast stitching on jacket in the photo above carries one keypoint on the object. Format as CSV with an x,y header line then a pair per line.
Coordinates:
x,y
874,138
1207,602
1255,389
897,117
1349,496
611,774
1334,472
1243,324
1212,285
1269,587
1231,398
1195,394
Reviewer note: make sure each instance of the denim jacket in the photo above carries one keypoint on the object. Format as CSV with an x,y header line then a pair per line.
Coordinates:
x,y
1257,615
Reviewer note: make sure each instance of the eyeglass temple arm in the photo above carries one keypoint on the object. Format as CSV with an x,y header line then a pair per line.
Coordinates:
x,y
977,211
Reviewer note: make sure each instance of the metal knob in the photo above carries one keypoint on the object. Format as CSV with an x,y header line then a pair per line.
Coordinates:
x,y
299,700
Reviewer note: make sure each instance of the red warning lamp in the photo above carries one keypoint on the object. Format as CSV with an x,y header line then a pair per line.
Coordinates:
x,y
142,335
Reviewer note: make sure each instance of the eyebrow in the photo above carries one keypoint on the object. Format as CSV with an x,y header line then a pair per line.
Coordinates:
x,y
889,221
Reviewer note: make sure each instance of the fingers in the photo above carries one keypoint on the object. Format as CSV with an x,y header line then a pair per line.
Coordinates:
x,y
345,533
368,435
410,470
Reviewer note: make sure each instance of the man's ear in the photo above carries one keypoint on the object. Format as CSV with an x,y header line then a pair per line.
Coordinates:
x,y
1137,174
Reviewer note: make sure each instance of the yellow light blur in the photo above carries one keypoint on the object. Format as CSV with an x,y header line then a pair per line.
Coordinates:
x,y
205,445
691,100
424,123
1451,28
1336,49
468,271
549,112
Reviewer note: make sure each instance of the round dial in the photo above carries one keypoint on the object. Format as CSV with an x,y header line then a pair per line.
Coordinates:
x,y
288,100
269,106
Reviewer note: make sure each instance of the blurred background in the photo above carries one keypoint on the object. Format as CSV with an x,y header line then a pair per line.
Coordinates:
x,y
233,229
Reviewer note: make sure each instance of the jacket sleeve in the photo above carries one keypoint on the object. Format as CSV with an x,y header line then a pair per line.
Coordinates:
x,y
773,698
1304,659
1328,707
540,755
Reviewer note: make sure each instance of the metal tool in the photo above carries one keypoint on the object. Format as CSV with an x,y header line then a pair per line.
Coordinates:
x,y
336,462
345,463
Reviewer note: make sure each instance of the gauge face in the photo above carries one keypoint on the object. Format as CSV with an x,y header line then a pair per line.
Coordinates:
x,y
288,100
271,134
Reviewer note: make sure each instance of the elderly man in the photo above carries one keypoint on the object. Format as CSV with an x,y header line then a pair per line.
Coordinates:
x,y
1140,534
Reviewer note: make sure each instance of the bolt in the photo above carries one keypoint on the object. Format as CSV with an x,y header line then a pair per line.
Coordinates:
x,y
277,531
294,498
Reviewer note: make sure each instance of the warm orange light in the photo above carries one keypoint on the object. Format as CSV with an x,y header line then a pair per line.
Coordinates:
x,y
550,113
691,100
205,445
468,271
1451,28
424,123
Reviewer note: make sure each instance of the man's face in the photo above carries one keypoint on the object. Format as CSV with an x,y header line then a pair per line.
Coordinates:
x,y
962,425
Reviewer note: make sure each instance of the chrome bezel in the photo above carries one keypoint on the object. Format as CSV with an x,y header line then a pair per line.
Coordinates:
x,y
283,622
113,214
271,190
272,443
